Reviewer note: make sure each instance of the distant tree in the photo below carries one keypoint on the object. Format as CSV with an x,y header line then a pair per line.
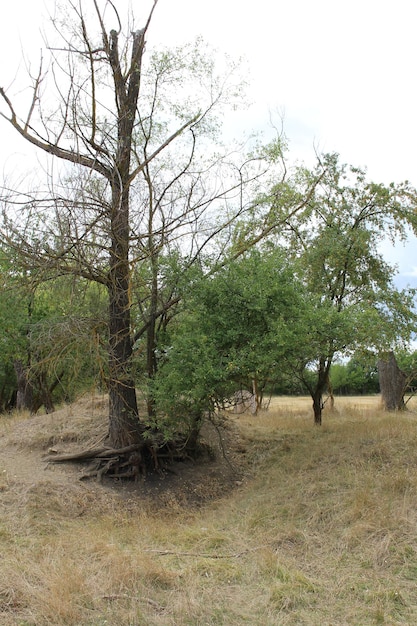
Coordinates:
x,y
354,377
335,242
392,381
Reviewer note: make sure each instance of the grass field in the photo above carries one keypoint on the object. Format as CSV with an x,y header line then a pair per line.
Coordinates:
x,y
318,527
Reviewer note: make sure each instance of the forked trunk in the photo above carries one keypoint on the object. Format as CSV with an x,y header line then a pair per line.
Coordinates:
x,y
321,385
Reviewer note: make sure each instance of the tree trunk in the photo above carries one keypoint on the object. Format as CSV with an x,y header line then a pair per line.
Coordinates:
x,y
257,394
317,406
24,397
330,392
151,334
124,426
392,382
318,391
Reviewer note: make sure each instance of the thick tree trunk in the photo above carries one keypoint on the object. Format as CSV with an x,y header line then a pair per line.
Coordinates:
x,y
392,382
124,426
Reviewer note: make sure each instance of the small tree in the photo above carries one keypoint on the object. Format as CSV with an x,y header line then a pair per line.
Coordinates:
x,y
238,327
335,243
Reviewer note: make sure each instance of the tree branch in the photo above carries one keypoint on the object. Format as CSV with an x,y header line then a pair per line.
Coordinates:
x,y
50,148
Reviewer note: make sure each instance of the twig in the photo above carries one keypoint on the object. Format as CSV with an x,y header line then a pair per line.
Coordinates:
x,y
221,443
126,596
202,555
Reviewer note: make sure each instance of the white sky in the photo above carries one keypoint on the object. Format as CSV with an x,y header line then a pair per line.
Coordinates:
x,y
342,73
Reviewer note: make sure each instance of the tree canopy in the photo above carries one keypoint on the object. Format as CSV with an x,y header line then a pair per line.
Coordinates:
x,y
335,245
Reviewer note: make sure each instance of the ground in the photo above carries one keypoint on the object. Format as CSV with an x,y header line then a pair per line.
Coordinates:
x,y
282,524
25,444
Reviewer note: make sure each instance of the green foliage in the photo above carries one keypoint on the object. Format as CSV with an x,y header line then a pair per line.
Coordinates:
x,y
54,329
354,378
237,325
334,242
191,379
407,362
69,344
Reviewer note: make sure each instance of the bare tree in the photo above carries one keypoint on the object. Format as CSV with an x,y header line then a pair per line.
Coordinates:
x,y
115,124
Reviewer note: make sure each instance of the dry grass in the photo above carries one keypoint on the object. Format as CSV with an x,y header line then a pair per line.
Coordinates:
x,y
322,531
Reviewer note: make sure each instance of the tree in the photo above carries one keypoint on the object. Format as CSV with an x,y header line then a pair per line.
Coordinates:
x,y
118,114
335,243
237,328
50,338
392,382
80,137
354,377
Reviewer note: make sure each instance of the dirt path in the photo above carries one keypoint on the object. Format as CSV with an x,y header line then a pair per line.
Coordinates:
x,y
24,466
25,441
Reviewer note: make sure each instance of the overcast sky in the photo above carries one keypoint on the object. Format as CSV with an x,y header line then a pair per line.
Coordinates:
x,y
343,74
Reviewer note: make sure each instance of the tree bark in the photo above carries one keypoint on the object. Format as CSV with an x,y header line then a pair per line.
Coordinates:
x,y
317,392
151,334
392,382
24,397
317,407
124,426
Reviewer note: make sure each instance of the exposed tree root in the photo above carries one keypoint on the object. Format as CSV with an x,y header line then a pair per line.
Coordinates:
x,y
132,462
125,462
90,453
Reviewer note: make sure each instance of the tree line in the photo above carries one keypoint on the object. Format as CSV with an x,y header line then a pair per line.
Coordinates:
x,y
167,268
